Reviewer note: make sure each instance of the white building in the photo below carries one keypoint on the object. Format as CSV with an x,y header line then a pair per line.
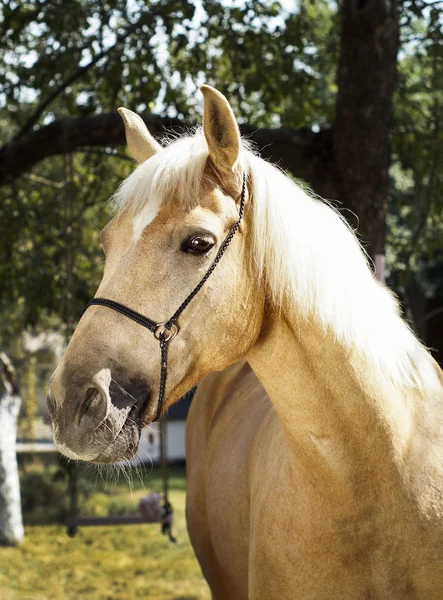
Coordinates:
x,y
149,447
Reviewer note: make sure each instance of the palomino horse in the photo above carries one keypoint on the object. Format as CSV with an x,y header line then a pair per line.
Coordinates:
x,y
331,488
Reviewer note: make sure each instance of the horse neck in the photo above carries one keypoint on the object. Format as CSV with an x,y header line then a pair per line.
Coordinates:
x,y
351,430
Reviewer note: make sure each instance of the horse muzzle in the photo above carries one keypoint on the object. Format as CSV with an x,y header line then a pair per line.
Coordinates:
x,y
97,419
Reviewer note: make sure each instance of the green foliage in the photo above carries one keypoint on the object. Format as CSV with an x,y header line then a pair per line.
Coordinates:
x,y
415,221
80,56
50,254
99,53
44,491
43,496
102,491
276,67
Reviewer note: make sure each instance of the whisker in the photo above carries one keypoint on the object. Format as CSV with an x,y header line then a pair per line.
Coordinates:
x,y
123,389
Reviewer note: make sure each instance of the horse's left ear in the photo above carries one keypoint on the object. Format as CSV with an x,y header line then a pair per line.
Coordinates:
x,y
140,142
221,130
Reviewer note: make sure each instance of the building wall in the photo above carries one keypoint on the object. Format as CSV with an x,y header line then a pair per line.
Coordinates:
x,y
176,440
149,447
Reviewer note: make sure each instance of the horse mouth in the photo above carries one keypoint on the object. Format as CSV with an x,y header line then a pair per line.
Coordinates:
x,y
125,444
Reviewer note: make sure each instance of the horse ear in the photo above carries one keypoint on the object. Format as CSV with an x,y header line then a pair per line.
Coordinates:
x,y
221,129
140,142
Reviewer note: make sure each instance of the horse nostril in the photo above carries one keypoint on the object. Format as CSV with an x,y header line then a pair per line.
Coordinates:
x,y
91,394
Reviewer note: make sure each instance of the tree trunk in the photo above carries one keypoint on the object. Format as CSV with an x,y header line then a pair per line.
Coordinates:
x,y
11,525
366,79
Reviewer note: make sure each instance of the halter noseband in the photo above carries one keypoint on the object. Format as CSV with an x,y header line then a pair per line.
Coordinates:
x,y
165,332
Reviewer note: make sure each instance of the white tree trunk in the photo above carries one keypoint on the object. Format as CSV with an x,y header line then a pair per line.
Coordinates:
x,y
11,524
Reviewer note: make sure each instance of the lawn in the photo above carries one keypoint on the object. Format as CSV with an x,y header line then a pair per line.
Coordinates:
x,y
104,563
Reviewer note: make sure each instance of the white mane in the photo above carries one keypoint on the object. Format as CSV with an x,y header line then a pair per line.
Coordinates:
x,y
179,168
305,252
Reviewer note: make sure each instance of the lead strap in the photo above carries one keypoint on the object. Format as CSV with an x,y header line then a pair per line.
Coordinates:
x,y
163,374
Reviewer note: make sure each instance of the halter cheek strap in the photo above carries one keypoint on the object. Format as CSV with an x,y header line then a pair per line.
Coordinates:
x,y
166,332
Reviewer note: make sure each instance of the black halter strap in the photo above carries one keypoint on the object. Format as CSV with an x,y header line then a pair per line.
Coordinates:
x,y
165,332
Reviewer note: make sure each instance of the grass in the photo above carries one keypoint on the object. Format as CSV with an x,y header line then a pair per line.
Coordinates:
x,y
106,563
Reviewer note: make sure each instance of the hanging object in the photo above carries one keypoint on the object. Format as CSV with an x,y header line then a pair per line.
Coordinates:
x,y
167,507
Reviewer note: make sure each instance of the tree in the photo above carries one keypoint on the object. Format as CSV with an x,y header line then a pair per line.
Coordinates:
x,y
11,526
277,67
366,80
414,223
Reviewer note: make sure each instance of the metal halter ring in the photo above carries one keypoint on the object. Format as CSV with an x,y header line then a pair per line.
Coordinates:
x,y
161,332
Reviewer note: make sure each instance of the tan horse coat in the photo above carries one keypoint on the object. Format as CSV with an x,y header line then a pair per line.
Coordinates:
x,y
320,503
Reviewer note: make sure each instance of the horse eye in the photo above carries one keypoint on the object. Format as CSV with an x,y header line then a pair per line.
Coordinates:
x,y
198,244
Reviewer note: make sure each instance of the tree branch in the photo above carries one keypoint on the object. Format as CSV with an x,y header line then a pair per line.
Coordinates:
x,y
430,315
106,152
305,154
44,181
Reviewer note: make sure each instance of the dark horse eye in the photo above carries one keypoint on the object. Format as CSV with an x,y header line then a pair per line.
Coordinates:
x,y
198,244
